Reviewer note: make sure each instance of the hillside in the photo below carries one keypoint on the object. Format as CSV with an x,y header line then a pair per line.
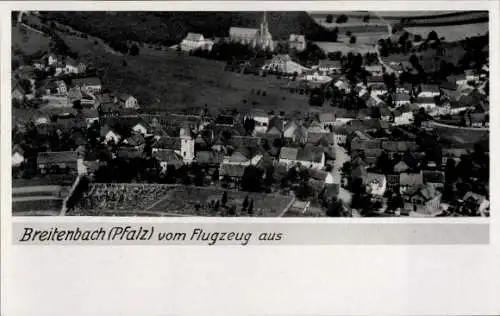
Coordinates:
x,y
27,42
169,28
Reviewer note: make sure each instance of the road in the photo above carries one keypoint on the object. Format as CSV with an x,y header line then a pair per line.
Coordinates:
x,y
341,157
388,68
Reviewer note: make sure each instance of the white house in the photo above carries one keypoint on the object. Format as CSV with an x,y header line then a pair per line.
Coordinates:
x,y
71,66
308,156
401,99
339,134
62,89
261,119
327,119
403,115
376,184
471,75
194,41
52,59
429,91
290,129
128,101
333,66
297,42
140,128
90,84
17,156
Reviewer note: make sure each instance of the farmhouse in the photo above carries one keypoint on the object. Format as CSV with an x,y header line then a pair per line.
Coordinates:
x,y
308,156
332,66
91,84
194,41
58,161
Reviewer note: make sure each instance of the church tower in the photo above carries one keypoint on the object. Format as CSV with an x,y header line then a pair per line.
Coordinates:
x,y
265,39
187,145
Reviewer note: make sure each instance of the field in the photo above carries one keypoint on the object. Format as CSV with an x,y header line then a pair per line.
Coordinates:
x,y
172,200
345,47
453,32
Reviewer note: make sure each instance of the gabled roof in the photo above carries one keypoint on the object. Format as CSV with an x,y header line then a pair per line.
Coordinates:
x,y
135,140
230,170
173,143
410,179
208,157
374,177
57,157
433,176
289,153
297,38
310,154
327,117
168,156
195,37
89,81
235,31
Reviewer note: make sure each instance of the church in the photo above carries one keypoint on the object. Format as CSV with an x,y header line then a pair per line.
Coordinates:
x,y
259,38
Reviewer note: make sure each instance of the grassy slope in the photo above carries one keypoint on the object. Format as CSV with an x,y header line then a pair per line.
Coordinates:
x,y
27,42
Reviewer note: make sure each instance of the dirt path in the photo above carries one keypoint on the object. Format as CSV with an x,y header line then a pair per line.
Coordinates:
x,y
388,68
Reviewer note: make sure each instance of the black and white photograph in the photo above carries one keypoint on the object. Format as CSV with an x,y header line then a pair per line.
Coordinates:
x,y
250,113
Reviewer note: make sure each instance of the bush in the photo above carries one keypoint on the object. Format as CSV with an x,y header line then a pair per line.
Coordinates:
x,y
342,19
352,40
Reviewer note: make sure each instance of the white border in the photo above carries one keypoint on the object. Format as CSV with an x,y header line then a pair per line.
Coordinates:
x,y
417,280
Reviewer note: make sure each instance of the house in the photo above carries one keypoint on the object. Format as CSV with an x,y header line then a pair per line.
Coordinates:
x,y
375,101
127,101
140,127
90,116
18,93
434,177
136,140
409,182
327,119
290,129
375,183
17,156
275,127
109,109
453,153
90,84
62,89
424,200
429,91
231,172
427,103
109,134
402,98
308,156
339,134
375,70
471,75
71,66
322,176
479,200
401,167
261,119
58,161
297,42
74,94
209,158
82,67
52,59
182,145
403,115
400,147
194,41
168,158
330,66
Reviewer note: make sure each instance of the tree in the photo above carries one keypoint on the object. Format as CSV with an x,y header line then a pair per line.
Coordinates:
x,y
348,33
252,179
432,36
249,125
224,198
366,18
335,208
134,50
329,18
352,40
245,202
342,19
250,208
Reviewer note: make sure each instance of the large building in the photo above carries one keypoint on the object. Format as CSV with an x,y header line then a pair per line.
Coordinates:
x,y
194,41
260,38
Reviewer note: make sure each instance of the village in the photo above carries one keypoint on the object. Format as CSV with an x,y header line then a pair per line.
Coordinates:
x,y
380,140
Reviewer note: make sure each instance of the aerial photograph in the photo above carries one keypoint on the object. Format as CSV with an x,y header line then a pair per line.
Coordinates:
x,y
250,114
